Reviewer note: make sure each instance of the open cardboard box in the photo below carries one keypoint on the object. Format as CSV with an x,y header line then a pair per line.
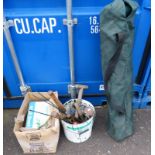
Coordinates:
x,y
36,141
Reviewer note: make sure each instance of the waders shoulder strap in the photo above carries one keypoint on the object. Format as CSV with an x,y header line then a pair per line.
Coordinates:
x,y
120,37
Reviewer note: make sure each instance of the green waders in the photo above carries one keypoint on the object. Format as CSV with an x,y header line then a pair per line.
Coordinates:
x,y
117,32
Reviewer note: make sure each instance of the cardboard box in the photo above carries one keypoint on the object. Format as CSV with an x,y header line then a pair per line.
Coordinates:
x,y
36,141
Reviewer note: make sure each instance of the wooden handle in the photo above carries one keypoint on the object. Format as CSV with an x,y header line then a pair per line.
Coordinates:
x,y
57,101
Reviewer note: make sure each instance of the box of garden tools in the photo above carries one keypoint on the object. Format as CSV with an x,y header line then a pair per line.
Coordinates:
x,y
35,128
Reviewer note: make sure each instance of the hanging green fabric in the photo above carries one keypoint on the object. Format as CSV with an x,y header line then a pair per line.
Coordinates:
x,y
117,32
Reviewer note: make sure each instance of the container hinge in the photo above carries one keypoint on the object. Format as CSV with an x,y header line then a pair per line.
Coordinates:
x,y
70,22
7,24
24,89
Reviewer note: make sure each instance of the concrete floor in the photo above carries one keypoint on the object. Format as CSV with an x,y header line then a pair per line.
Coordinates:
x,y
99,144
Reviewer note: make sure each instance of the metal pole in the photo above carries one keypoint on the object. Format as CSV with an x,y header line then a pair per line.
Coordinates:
x,y
24,88
70,23
69,9
70,40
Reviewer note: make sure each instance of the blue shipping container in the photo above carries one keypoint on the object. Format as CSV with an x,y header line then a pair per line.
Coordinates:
x,y
40,41
146,98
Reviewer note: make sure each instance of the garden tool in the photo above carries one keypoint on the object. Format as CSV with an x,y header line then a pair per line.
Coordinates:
x,y
57,101
78,112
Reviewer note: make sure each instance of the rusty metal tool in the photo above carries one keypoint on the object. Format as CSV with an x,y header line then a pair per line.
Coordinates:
x,y
53,114
78,101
